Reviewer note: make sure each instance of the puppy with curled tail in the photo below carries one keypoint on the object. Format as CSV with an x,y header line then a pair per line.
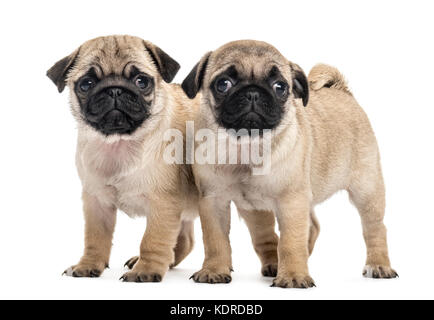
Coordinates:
x,y
321,142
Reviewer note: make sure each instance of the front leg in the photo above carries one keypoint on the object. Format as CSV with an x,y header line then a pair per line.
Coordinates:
x,y
215,220
100,220
293,217
158,243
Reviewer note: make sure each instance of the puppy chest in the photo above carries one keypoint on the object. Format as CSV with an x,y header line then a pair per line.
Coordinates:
x,y
131,197
251,198
133,204
246,191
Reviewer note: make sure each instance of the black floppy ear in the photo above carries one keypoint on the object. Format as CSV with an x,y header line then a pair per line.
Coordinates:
x,y
192,84
166,65
300,85
59,71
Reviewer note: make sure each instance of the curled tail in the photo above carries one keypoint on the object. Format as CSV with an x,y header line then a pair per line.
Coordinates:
x,y
325,76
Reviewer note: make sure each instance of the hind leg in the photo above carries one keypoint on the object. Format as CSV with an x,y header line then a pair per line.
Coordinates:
x,y
131,262
185,242
265,240
368,195
313,231
184,245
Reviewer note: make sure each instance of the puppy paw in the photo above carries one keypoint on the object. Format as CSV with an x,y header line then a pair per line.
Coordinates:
x,y
84,271
144,272
131,262
209,276
269,270
379,272
298,281
141,276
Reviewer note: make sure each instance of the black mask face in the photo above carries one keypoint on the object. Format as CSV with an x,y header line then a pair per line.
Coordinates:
x,y
115,104
249,103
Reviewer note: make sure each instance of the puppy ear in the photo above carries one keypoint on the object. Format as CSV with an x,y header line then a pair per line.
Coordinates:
x,y
166,65
59,71
300,84
192,84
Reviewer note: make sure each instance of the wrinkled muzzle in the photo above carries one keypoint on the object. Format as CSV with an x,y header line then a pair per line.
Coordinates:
x,y
251,107
116,110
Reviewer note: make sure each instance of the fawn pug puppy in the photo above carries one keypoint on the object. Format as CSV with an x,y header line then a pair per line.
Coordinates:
x,y
322,142
122,100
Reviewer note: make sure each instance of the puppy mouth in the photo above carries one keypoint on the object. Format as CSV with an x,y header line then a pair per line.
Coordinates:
x,y
251,121
115,121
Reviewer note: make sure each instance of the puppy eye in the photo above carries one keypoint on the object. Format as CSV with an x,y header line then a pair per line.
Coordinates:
x,y
223,85
86,84
143,82
281,88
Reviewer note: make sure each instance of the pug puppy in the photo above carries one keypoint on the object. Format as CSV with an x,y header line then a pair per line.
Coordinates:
x,y
122,100
322,142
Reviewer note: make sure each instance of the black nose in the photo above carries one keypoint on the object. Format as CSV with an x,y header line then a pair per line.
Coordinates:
x,y
114,92
252,95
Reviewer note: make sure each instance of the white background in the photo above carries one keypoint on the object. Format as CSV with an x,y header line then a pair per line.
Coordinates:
x,y
385,50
